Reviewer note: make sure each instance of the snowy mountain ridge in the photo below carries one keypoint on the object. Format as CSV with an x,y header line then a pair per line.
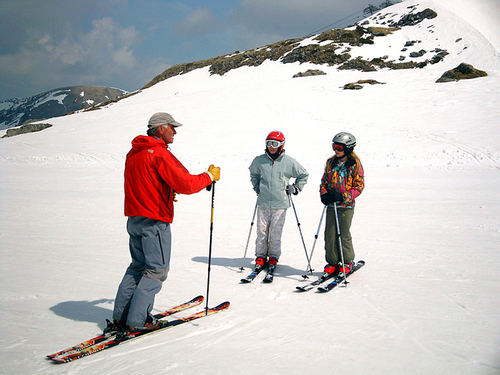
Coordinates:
x,y
338,47
53,103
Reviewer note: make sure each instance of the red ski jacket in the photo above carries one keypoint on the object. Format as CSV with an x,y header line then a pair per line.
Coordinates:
x,y
152,174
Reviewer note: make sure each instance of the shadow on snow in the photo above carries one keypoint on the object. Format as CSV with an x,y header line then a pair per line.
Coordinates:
x,y
84,311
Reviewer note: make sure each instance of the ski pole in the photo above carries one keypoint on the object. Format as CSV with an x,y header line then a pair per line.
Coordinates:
x,y
300,231
314,244
248,239
340,241
210,244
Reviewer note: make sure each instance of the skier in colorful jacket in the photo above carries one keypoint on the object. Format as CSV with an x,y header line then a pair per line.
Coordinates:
x,y
270,175
153,175
342,182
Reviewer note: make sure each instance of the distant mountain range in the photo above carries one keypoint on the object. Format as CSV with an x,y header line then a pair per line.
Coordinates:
x,y
54,103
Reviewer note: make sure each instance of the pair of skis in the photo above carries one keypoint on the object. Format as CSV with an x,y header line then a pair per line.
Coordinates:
x,y
108,340
334,280
267,279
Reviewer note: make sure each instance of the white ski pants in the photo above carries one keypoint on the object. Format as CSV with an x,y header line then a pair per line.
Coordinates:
x,y
270,225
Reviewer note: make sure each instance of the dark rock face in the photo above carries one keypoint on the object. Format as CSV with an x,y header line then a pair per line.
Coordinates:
x,y
413,19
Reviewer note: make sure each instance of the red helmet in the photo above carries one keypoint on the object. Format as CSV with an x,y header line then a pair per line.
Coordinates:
x,y
276,136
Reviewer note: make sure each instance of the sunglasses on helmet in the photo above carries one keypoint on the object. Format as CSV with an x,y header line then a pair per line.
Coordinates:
x,y
338,147
272,143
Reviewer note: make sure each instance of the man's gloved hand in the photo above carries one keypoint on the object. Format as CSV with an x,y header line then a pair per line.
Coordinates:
x,y
215,172
292,189
256,189
331,197
174,196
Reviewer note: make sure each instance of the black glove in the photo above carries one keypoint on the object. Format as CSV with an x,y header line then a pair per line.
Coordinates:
x,y
331,197
292,189
256,188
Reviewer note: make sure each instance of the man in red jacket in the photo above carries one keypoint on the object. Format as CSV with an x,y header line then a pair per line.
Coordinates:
x,y
152,175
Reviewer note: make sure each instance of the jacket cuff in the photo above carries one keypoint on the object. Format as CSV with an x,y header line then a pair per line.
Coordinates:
x,y
210,175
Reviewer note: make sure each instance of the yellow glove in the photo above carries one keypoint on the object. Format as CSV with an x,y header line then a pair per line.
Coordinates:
x,y
174,196
215,172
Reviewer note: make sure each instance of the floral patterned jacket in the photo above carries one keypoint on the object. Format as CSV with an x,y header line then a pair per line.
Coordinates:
x,y
341,179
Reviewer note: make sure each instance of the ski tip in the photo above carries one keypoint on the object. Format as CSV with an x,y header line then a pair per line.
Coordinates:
x,y
199,298
59,360
325,289
55,355
219,307
222,306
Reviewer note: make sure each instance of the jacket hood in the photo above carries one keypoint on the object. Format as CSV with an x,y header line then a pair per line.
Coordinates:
x,y
142,142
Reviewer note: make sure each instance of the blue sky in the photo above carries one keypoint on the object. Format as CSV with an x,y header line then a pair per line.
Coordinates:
x,y
124,43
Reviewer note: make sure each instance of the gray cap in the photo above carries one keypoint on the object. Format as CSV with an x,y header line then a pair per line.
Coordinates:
x,y
161,118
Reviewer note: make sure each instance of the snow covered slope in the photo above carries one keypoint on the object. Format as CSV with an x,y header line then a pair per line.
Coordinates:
x,y
481,14
427,223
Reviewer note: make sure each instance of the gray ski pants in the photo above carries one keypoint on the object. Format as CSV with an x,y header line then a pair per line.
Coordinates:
x,y
149,244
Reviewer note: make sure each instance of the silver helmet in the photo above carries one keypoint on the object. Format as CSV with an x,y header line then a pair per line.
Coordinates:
x,y
346,139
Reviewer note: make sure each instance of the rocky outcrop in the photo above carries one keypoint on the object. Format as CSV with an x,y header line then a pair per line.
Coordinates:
x,y
413,19
28,128
359,85
463,71
310,73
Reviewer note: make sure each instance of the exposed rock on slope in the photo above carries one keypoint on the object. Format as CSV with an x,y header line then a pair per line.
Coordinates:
x,y
463,71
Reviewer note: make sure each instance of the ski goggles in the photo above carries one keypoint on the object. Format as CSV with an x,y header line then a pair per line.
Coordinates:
x,y
272,143
338,147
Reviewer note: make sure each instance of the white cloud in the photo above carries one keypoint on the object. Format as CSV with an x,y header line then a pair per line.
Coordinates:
x,y
104,50
103,55
124,58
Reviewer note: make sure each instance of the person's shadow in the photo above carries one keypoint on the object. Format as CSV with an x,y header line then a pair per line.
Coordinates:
x,y
85,311
236,265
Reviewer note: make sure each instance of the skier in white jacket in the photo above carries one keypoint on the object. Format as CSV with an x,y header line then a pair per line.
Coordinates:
x,y
270,175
